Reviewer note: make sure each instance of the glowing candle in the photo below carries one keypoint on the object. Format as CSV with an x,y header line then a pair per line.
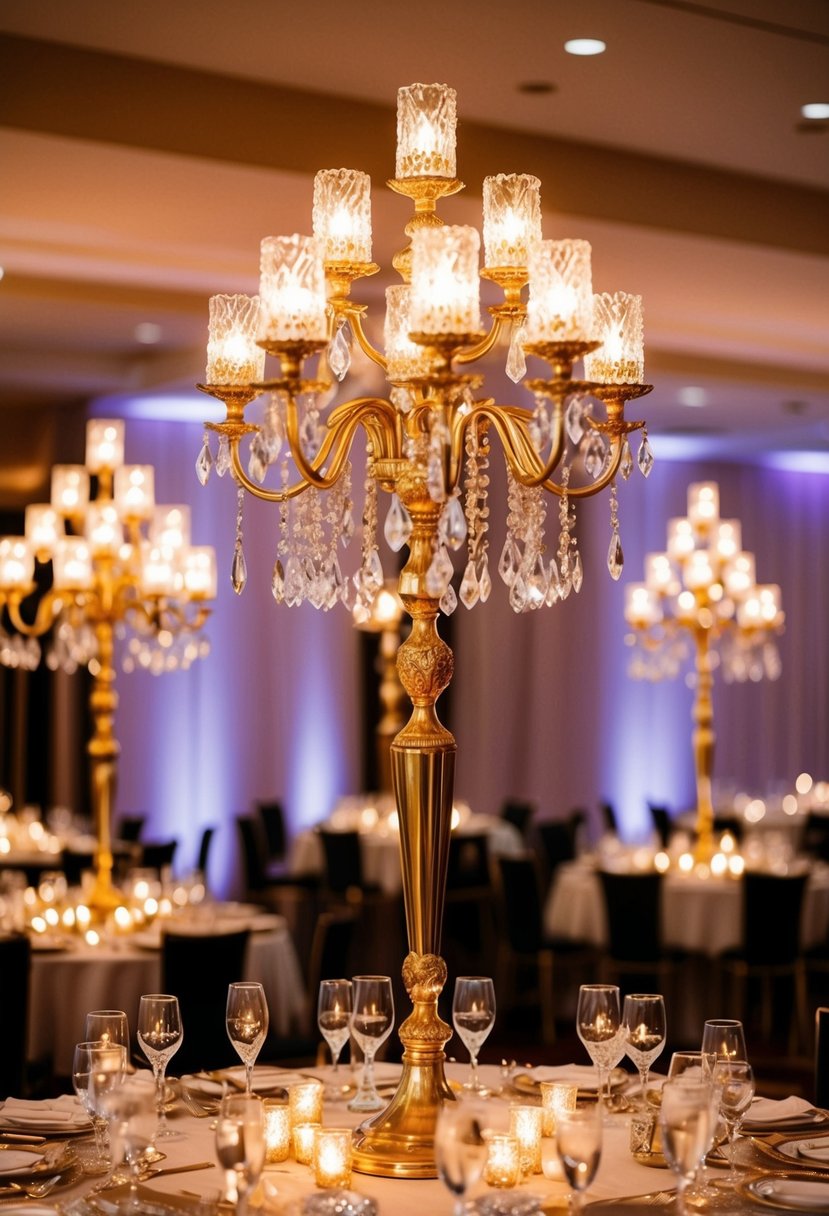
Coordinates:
x,y
332,1156
277,1130
526,1126
304,1134
305,1100
556,1098
503,1161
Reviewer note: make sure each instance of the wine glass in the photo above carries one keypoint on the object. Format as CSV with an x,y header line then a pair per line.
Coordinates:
x,y
687,1118
108,1025
690,1066
460,1146
240,1145
371,1022
579,1146
334,1020
131,1110
159,1035
96,1068
643,1020
734,1086
599,1027
473,1016
247,1024
723,1039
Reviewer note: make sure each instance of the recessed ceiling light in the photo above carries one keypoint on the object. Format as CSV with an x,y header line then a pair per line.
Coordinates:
x,y
692,395
148,333
585,46
816,110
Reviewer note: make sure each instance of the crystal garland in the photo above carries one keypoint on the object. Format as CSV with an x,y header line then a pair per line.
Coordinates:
x,y
72,646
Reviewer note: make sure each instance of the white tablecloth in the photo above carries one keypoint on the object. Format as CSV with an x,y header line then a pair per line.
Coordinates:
x,y
701,915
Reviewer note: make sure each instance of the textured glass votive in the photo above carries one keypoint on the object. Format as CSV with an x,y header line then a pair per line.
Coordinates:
x,y
72,565
342,215
426,121
304,1134
70,489
277,1130
104,444
555,1099
17,563
170,526
512,218
503,1161
617,324
525,1123
103,528
305,1099
332,1156
659,573
704,505
728,542
43,528
445,285
560,305
134,491
292,290
232,354
404,358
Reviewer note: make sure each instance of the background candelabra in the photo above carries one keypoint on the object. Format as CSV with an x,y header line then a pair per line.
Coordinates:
x,y
126,569
428,446
703,590
385,619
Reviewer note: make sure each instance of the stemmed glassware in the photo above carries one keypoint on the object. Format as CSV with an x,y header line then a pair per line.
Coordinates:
x,y
371,1022
599,1027
579,1146
334,1006
690,1065
247,1024
723,1039
643,1021
159,1035
131,1110
108,1025
97,1068
473,1016
687,1118
734,1086
240,1145
460,1147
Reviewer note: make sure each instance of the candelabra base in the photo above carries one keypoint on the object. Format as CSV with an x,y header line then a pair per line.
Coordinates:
x,y
400,1141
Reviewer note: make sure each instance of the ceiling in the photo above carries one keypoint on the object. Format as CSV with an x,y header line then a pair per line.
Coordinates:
x,y
147,148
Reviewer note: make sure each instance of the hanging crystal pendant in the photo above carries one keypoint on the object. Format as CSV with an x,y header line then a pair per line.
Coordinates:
x,y
339,353
553,584
453,523
518,594
398,526
508,562
204,461
516,367
310,435
594,456
374,571
484,580
239,569
470,587
577,574
537,584
223,460
434,478
439,573
346,525
258,460
645,456
626,461
448,601
294,582
615,557
574,420
278,582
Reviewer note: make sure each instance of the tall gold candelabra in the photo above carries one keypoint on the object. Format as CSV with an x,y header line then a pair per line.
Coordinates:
x,y
125,562
703,587
419,440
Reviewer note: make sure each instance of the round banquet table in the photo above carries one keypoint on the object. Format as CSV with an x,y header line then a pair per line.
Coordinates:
x,y
700,915
66,983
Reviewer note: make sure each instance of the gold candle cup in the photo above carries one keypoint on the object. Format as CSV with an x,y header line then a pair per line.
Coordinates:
x,y
304,1134
525,1124
332,1156
555,1099
277,1131
503,1161
305,1101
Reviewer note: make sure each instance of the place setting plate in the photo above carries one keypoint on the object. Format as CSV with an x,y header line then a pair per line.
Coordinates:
x,y
810,1152
791,1192
582,1076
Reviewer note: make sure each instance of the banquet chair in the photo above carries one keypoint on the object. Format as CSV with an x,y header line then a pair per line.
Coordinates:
x,y
610,824
198,969
343,879
822,1058
15,960
204,850
272,818
633,903
661,820
816,836
130,827
558,843
157,854
519,814
468,918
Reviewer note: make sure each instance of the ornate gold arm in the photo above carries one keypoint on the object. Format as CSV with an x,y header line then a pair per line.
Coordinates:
x,y
486,344
354,315
47,609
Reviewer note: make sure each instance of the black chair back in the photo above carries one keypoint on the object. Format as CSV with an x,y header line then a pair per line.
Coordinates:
x,y
822,1058
468,862
772,905
331,949
155,855
204,849
130,827
343,860
15,958
273,821
661,820
519,814
253,851
558,840
521,903
633,906
198,970
609,821
73,865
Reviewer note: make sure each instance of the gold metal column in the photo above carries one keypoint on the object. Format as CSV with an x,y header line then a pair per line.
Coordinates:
x,y
103,751
703,742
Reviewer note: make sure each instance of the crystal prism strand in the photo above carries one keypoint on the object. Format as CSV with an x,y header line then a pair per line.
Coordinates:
x,y
626,460
574,419
516,367
204,461
339,352
448,601
239,568
438,441
615,557
371,569
470,585
398,526
223,461
645,455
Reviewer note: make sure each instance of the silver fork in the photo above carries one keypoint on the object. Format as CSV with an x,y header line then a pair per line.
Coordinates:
x,y
193,1105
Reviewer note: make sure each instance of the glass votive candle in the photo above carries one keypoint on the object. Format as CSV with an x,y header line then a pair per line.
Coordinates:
x,y
555,1098
525,1123
304,1134
503,1161
332,1156
305,1101
277,1130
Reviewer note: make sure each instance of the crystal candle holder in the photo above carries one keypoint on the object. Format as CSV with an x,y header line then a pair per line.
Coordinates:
x,y
739,576
680,539
445,284
44,527
761,607
72,565
277,1131
512,218
134,491
525,1123
704,505
342,215
232,354
158,571
170,527
642,608
305,1100
104,444
426,122
556,1099
70,489
560,305
502,1167
404,358
199,572
332,1156
728,542
659,573
292,290
698,570
103,528
303,1135
17,563
617,325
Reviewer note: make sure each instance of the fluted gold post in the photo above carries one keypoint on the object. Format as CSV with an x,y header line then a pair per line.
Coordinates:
x,y
103,751
703,742
391,702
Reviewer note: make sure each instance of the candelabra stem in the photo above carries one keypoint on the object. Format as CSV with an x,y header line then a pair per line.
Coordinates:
x,y
103,753
703,741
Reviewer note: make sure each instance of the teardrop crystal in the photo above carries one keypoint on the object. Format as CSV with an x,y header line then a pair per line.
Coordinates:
x,y
239,570
434,478
204,462
470,588
374,571
508,562
398,526
537,584
516,367
454,523
339,354
518,594
346,525
278,582
645,457
553,584
626,461
573,419
258,460
223,456
448,601
615,557
484,580
578,573
439,573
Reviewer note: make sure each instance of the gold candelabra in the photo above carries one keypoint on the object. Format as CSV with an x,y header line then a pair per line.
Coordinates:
x,y
124,562
427,444
703,588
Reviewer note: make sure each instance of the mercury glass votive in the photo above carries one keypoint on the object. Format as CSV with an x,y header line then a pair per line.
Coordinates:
x,y
232,354
342,214
43,528
104,444
404,358
17,563
426,122
502,1167
445,288
134,491
512,218
560,304
303,1135
305,1099
525,1123
332,1156
277,1130
72,565
70,489
617,325
292,290
556,1099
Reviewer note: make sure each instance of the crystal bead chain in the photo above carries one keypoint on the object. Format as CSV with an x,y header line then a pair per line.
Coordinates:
x,y
615,556
369,578
522,563
569,575
476,583
239,569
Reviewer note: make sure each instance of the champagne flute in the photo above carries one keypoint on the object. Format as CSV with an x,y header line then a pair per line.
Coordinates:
x,y
371,1023
723,1039
473,1016
643,1021
247,1024
334,1020
96,1068
240,1145
460,1146
131,1110
734,1086
599,1027
687,1119
159,1035
579,1146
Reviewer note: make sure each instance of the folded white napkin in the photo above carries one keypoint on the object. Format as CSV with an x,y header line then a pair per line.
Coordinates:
x,y
769,1110
65,1110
